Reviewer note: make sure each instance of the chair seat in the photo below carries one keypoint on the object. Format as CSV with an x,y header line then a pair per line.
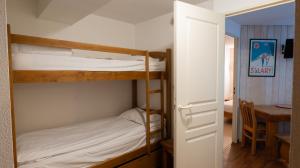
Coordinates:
x,y
259,136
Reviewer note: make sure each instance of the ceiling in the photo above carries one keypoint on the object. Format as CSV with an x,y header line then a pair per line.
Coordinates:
x,y
135,11
131,11
278,15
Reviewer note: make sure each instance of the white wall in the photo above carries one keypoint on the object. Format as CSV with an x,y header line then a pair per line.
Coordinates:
x,y
6,153
271,90
50,105
228,6
232,28
263,90
155,34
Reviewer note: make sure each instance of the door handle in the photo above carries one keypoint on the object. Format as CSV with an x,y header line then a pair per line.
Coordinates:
x,y
188,108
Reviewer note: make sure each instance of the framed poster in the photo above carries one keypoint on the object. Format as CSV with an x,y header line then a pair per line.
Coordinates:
x,y
262,58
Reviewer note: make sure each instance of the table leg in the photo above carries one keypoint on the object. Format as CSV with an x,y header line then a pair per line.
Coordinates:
x,y
272,129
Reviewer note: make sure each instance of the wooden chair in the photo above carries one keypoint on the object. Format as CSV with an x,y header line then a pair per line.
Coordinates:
x,y
283,148
252,130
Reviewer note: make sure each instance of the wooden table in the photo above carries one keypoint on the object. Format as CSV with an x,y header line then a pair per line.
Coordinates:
x,y
272,115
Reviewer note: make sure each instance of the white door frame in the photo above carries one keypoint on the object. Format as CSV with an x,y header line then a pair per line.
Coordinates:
x,y
236,90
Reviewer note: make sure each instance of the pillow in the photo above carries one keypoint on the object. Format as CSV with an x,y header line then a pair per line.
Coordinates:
x,y
153,117
31,49
138,115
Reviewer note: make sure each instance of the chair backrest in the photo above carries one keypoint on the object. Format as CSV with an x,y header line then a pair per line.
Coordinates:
x,y
248,114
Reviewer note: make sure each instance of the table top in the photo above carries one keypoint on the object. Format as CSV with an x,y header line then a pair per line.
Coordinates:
x,y
273,112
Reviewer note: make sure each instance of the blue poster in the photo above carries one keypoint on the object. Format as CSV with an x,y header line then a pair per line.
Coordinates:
x,y
262,57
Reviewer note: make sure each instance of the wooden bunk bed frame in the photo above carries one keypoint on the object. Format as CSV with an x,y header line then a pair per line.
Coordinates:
x,y
147,156
228,114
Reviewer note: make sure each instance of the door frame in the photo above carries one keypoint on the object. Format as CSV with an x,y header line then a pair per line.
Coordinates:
x,y
256,7
236,89
236,125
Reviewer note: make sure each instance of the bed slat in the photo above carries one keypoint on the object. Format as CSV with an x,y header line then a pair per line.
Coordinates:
x,y
28,76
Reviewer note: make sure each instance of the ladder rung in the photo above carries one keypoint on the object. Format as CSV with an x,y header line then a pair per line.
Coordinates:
x,y
155,91
155,132
155,112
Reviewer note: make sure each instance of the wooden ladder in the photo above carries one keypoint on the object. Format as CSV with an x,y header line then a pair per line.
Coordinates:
x,y
150,111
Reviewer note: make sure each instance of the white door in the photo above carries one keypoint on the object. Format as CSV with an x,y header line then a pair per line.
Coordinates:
x,y
198,86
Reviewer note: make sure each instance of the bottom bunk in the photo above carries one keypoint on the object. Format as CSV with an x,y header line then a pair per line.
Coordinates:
x,y
102,143
228,108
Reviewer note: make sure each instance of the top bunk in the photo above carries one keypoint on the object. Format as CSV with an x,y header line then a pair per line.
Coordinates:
x,y
56,65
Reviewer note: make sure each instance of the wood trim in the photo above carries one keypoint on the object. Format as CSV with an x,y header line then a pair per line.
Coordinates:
x,y
11,77
31,40
134,93
29,76
128,156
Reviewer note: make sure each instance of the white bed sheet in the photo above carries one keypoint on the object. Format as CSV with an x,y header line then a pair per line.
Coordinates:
x,y
36,61
81,145
228,106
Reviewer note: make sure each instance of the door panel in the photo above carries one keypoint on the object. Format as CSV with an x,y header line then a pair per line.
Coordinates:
x,y
198,86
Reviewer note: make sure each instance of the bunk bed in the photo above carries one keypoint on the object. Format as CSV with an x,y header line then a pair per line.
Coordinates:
x,y
228,108
141,155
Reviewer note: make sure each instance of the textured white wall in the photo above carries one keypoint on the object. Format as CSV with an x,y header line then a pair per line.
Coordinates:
x,y
262,90
6,154
41,106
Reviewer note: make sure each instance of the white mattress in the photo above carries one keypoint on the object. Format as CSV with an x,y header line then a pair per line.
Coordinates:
x,y
27,57
81,145
228,106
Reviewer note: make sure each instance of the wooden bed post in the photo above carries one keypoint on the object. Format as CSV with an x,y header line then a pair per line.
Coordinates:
x,y
169,93
148,134
134,93
11,80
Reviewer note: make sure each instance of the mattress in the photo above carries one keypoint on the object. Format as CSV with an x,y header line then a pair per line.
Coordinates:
x,y
228,106
44,58
81,145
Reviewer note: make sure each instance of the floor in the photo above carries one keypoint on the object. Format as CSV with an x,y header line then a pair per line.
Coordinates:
x,y
236,156
227,132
